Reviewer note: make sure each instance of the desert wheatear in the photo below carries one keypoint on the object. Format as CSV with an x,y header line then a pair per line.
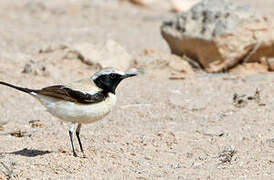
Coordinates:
x,y
81,102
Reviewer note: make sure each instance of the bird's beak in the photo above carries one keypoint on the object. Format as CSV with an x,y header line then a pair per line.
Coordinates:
x,y
130,73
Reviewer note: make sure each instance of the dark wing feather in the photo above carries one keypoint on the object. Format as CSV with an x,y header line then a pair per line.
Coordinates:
x,y
68,94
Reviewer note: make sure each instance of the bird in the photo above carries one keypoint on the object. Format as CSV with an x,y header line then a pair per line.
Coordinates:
x,y
80,102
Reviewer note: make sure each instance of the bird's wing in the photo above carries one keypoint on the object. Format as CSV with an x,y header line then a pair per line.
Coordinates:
x,y
65,93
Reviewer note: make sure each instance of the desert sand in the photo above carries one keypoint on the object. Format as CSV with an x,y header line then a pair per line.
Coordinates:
x,y
199,126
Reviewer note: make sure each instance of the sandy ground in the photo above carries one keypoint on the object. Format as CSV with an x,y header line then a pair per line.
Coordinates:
x,y
160,129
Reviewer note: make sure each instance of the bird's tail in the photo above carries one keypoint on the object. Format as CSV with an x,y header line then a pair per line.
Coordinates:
x,y
26,90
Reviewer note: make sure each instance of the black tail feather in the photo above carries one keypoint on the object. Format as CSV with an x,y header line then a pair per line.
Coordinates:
x,y
26,90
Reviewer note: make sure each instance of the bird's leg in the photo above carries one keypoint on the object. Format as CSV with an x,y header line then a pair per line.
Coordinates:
x,y
78,137
71,129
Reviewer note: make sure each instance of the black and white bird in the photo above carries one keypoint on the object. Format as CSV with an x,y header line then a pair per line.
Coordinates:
x,y
81,102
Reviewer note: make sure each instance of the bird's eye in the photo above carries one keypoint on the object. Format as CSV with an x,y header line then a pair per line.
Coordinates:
x,y
112,76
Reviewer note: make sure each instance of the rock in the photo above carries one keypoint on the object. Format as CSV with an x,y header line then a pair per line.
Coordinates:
x,y
35,68
114,55
226,156
241,100
180,65
249,68
51,48
142,2
27,69
36,123
153,60
270,63
182,5
19,133
219,34
86,52
111,54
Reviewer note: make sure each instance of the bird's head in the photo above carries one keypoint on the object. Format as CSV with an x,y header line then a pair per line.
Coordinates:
x,y
108,79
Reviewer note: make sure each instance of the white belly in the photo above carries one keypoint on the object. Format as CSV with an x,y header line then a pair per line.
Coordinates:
x,y
78,113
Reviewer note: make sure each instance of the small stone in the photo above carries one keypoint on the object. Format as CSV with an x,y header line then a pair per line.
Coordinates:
x,y
61,150
226,155
18,133
36,123
27,69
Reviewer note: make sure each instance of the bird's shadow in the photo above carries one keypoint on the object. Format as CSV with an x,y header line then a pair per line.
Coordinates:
x,y
30,152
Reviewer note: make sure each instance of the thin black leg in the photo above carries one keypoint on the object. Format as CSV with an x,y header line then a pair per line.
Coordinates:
x,y
71,140
78,137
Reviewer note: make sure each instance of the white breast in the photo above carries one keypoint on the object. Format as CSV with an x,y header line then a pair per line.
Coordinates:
x,y
79,113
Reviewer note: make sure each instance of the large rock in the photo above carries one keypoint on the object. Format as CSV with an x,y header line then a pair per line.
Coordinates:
x,y
219,34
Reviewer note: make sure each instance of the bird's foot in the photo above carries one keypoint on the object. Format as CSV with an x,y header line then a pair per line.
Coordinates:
x,y
74,154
